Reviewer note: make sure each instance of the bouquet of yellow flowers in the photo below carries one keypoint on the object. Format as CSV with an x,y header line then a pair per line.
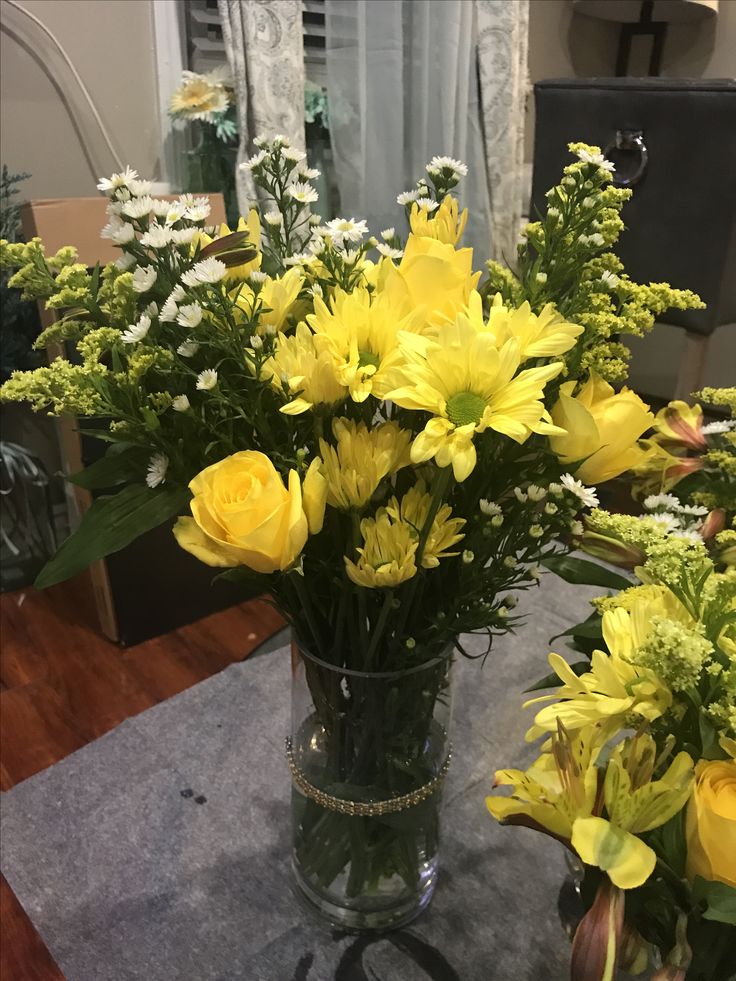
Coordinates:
x,y
637,775
385,440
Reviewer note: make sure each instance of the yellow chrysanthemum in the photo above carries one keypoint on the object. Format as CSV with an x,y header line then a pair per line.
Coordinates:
x,y
278,297
436,278
360,461
360,334
612,690
198,97
445,531
444,224
542,335
387,555
469,385
298,369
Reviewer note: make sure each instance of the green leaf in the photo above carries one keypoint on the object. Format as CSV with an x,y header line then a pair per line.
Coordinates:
x,y
553,681
590,629
120,465
581,572
111,524
720,897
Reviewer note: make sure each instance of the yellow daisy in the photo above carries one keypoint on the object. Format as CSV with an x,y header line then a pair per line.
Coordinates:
x,y
387,555
360,461
469,385
542,335
297,369
445,531
360,333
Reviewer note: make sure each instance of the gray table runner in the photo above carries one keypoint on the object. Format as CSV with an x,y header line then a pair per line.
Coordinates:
x,y
161,851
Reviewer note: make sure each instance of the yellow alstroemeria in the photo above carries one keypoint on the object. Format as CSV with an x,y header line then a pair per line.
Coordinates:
x,y
436,278
468,385
251,225
361,459
635,804
659,470
304,375
386,557
542,335
612,690
445,224
360,333
601,429
559,787
681,424
413,510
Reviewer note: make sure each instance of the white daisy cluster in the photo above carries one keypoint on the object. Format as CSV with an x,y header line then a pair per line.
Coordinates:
x,y
283,175
675,518
443,174
597,159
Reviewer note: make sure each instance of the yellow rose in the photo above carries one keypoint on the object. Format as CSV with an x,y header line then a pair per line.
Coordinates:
x,y
437,277
243,514
711,822
602,427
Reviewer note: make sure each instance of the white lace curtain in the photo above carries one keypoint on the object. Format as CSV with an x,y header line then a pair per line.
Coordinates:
x,y
265,51
409,79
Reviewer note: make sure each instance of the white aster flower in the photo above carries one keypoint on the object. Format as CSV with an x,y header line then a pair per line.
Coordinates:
x,y
143,278
206,380
108,184
157,236
139,188
308,174
260,140
302,192
126,262
427,204
187,349
520,495
198,212
346,230
407,197
298,259
609,279
255,161
273,218
119,232
536,493
293,154
693,510
350,257
209,270
316,290
716,428
596,158
157,467
174,211
667,522
151,310
489,508
257,277
447,163
255,343
160,207
281,140
587,495
138,207
577,528
183,236
180,403
136,332
541,277
190,315
388,233
314,219
468,556
388,251
654,501
689,536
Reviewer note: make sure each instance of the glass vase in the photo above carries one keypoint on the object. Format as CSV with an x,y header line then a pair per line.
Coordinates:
x,y
368,753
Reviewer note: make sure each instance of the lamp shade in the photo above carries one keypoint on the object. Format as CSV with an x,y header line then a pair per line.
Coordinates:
x,y
629,11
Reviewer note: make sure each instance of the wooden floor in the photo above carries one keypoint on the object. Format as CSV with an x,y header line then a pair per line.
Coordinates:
x,y
62,684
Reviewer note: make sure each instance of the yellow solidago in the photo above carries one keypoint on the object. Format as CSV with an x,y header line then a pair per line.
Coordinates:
x,y
444,533
613,690
542,335
360,461
386,557
359,333
307,377
468,385
436,278
445,224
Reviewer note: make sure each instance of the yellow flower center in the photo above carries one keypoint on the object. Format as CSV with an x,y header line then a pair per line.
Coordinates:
x,y
465,407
